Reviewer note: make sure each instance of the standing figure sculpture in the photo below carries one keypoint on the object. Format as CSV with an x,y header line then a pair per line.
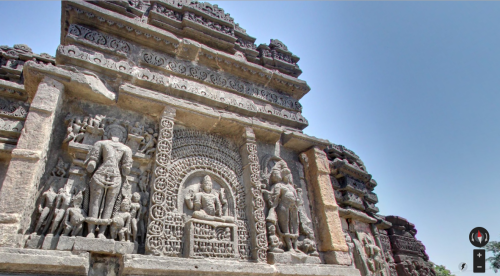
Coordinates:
x,y
75,217
135,213
113,161
206,203
63,201
284,202
45,208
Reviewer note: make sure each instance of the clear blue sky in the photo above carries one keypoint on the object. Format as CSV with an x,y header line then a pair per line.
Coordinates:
x,y
411,87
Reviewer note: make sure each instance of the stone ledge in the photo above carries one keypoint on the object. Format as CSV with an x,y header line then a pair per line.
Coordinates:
x,y
43,262
152,265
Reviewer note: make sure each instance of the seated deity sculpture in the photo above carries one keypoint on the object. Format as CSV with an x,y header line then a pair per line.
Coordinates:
x,y
110,162
207,204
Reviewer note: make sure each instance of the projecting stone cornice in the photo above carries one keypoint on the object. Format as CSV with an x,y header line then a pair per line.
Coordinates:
x,y
146,35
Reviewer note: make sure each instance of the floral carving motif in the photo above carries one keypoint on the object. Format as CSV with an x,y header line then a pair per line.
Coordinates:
x,y
168,12
245,44
212,10
218,79
11,125
118,25
258,202
99,39
209,23
16,109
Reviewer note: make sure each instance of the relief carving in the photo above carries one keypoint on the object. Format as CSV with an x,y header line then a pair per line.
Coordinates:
x,y
107,180
178,207
99,39
367,255
287,221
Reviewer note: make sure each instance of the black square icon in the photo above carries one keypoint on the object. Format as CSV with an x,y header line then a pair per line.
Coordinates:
x,y
479,261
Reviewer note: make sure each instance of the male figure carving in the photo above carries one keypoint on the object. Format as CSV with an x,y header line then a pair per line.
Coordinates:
x,y
113,161
74,218
135,213
120,225
284,204
45,206
206,204
63,200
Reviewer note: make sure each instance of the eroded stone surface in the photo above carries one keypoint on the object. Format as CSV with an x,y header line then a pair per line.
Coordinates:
x,y
162,141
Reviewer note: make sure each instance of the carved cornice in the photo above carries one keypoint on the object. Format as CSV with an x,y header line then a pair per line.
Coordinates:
x,y
104,64
172,18
99,39
219,79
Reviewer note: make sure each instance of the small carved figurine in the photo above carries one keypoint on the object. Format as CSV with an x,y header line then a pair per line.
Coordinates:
x,y
135,213
120,223
60,169
46,203
137,129
75,217
63,200
148,142
274,241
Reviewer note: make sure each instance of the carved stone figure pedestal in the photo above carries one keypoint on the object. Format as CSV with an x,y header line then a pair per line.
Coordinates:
x,y
106,246
210,239
291,258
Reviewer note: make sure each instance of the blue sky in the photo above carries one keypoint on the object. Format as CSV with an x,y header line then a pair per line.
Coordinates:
x,y
411,87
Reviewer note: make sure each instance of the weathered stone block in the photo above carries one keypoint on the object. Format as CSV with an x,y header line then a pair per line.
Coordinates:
x,y
50,242
65,243
126,247
94,245
291,258
34,241
43,262
337,257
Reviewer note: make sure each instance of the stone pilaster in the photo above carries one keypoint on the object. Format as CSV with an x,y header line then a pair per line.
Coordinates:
x,y
255,202
17,197
326,218
158,211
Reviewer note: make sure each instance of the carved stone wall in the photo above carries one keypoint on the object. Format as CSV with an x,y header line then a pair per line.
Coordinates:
x,y
162,140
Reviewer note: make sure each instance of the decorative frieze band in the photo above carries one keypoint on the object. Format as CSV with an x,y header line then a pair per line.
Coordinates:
x,y
94,17
218,79
99,39
12,108
144,74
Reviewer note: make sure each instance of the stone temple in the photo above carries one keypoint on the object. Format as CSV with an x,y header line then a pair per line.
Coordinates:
x,y
162,141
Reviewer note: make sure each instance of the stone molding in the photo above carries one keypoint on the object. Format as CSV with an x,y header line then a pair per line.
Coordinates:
x,y
124,67
148,35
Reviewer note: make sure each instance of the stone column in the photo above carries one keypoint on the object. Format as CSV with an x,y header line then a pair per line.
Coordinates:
x,y
161,194
328,228
255,202
17,197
